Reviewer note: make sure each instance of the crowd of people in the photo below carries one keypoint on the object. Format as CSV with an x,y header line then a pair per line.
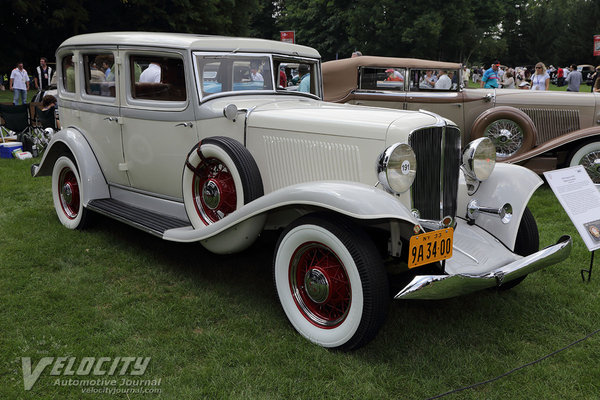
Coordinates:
x,y
536,78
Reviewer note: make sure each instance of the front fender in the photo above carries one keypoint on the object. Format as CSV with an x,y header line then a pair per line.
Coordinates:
x,y
508,183
71,142
355,200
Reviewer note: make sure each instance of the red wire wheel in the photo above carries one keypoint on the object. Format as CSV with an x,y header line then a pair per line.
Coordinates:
x,y
67,194
331,281
220,176
213,190
68,189
320,285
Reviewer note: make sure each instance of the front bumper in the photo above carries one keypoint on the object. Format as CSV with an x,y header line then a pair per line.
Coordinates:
x,y
433,287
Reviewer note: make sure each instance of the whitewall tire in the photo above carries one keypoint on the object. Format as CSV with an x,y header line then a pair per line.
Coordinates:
x,y
588,155
331,282
67,194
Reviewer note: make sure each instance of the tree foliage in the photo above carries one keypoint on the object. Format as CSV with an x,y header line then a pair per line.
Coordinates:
x,y
556,32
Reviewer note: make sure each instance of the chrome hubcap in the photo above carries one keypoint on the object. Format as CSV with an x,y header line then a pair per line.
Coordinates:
x,y
67,193
316,285
211,194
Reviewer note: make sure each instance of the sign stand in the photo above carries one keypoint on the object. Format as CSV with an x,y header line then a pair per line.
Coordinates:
x,y
580,198
589,271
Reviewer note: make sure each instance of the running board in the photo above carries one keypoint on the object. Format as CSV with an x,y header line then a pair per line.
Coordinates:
x,y
146,220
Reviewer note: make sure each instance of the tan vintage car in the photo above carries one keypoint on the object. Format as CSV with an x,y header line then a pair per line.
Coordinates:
x,y
540,130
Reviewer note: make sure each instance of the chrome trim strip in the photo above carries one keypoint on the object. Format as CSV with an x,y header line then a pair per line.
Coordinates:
x,y
434,287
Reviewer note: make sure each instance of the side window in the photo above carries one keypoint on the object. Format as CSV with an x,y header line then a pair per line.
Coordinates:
x,y
99,74
291,75
384,78
68,70
157,78
434,79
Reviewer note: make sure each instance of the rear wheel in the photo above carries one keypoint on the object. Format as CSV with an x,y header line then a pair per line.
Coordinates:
x,y
588,155
527,242
66,194
331,282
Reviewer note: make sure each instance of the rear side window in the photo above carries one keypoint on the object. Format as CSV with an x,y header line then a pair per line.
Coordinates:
x,y
384,78
68,77
99,74
157,78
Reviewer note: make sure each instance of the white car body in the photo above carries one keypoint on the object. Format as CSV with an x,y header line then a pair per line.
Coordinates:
x,y
209,155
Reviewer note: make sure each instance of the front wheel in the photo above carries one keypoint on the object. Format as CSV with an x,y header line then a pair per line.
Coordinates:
x,y
527,242
588,155
510,129
331,282
66,194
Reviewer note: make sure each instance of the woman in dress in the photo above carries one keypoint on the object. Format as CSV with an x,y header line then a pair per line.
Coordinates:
x,y
540,80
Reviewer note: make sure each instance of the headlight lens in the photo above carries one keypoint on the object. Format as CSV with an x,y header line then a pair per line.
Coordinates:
x,y
479,158
397,167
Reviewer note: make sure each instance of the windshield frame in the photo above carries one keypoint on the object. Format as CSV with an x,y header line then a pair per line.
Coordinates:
x,y
197,56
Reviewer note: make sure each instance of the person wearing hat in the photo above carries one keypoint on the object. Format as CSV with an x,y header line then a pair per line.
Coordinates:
x,y
393,75
524,85
490,77
304,72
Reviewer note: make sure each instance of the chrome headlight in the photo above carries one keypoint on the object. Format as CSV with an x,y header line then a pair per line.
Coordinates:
x,y
479,158
397,167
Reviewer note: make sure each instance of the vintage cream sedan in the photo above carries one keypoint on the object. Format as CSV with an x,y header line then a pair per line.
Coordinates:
x,y
540,130
193,139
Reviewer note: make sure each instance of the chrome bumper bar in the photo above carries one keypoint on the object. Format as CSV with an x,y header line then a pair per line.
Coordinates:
x,y
433,287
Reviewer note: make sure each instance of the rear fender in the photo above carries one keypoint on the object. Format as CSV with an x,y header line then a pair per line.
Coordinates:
x,y
70,142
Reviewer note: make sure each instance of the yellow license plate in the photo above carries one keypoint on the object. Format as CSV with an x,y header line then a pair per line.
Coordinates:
x,y
430,247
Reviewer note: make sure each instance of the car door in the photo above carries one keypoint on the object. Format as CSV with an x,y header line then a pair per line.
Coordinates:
x,y
158,120
90,101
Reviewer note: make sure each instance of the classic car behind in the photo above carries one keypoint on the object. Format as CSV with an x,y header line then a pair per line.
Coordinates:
x,y
540,130
215,151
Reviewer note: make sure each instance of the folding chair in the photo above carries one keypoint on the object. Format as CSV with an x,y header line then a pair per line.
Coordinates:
x,y
15,119
41,121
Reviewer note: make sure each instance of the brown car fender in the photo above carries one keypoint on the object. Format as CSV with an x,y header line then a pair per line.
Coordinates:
x,y
511,113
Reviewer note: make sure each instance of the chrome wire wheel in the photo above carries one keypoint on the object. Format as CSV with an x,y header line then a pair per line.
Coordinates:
x,y
507,136
320,285
588,156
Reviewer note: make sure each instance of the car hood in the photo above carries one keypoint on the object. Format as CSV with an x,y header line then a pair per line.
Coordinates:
x,y
317,117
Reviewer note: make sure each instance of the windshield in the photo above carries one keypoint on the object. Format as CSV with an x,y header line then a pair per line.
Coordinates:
x,y
228,73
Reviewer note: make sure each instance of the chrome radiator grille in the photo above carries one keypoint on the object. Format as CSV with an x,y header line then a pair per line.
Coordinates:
x,y
551,124
438,161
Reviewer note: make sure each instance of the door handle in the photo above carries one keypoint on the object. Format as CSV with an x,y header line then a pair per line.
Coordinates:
x,y
110,119
186,124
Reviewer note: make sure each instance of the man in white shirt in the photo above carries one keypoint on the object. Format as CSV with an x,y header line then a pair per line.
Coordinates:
x,y
151,74
19,83
443,82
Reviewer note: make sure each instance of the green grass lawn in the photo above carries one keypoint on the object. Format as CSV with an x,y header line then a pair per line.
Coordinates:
x,y
214,329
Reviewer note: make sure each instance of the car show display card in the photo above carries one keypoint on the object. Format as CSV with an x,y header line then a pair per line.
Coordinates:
x,y
580,199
